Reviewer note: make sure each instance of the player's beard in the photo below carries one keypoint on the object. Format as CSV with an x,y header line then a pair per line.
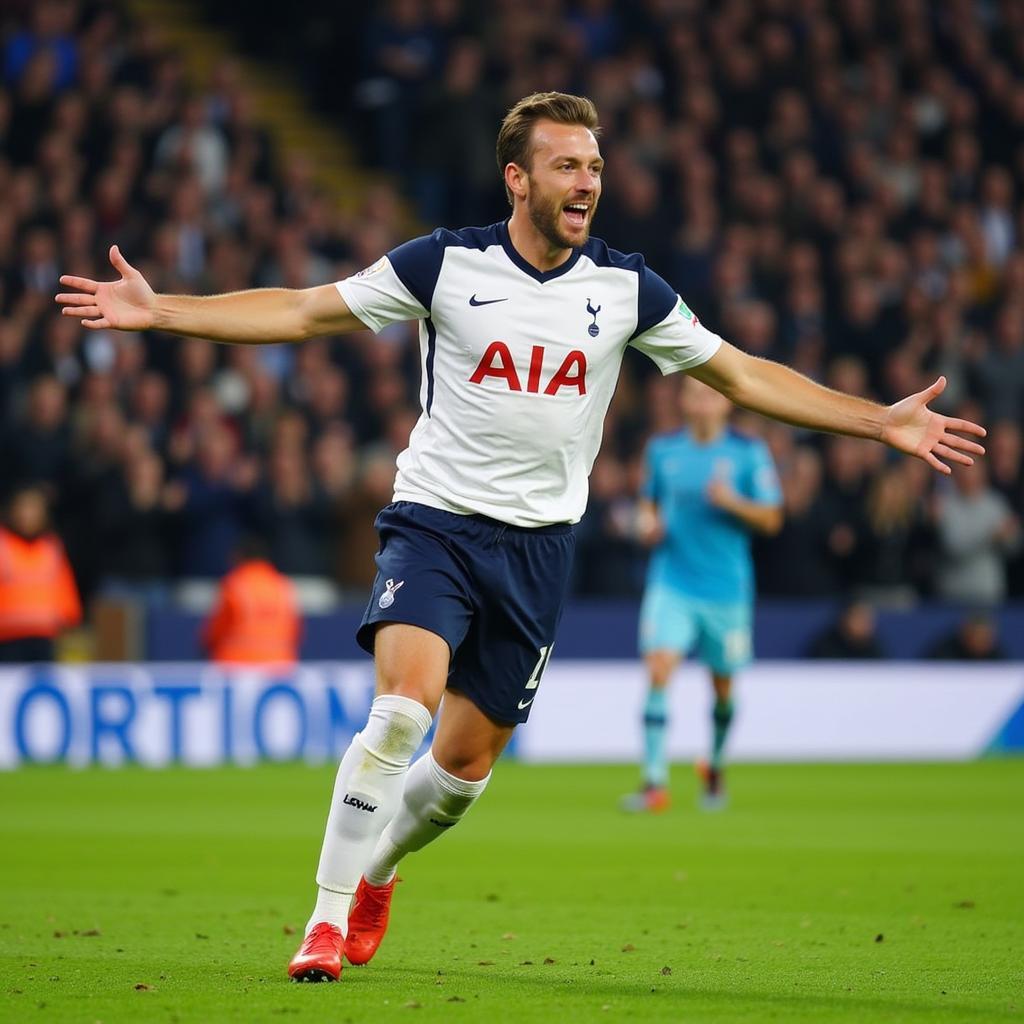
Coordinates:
x,y
546,215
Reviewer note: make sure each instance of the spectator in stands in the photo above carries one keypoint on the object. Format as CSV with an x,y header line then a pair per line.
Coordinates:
x,y
456,139
974,639
255,619
33,107
12,348
148,406
796,562
133,529
38,596
609,561
95,470
193,146
202,415
212,497
334,461
38,265
402,52
60,355
1006,468
894,548
327,400
50,33
977,532
38,449
294,514
1005,454
843,494
999,370
355,513
851,636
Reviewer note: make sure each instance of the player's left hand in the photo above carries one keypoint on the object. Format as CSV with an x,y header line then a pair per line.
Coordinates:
x,y
910,426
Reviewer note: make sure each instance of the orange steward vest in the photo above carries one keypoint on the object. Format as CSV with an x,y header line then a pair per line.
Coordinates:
x,y
255,619
38,596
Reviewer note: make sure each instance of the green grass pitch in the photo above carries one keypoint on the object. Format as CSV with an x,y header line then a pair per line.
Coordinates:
x,y
847,893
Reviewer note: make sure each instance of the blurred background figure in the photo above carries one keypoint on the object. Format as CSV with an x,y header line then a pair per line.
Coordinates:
x,y
38,597
976,638
896,540
212,497
977,532
706,490
796,561
255,618
135,524
851,637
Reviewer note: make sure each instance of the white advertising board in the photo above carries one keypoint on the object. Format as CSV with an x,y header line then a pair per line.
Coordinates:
x,y
785,711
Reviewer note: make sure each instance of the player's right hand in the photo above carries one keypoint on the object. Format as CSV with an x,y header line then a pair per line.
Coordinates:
x,y
126,305
648,527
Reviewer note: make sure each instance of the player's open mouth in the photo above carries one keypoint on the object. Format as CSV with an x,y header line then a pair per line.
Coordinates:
x,y
576,214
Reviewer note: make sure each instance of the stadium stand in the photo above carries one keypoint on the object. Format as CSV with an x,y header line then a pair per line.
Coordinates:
x,y
834,184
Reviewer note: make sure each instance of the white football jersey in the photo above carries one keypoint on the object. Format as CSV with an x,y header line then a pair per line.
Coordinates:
x,y
519,365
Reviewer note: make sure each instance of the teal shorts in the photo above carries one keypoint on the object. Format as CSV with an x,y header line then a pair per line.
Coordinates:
x,y
720,634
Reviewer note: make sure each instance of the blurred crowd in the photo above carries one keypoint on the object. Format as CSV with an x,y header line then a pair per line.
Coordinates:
x,y
836,185
160,454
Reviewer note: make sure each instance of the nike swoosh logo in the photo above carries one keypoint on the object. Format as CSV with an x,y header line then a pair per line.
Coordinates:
x,y
525,703
474,301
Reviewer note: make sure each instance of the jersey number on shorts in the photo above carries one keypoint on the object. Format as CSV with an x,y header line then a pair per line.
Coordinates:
x,y
538,670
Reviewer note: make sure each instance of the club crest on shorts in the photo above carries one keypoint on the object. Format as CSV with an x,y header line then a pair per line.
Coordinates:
x,y
387,599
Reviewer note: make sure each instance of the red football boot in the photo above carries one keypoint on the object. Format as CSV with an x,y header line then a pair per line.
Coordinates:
x,y
649,800
368,920
319,956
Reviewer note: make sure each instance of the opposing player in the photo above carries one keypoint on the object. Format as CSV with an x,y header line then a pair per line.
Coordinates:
x,y
706,489
522,327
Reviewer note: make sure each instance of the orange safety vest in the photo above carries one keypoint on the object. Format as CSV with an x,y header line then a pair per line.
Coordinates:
x,y
38,596
255,619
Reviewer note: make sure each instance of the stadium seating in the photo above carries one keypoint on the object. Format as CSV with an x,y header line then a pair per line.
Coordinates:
x,y
869,232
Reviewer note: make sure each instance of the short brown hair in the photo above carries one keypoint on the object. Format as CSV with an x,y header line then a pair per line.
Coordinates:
x,y
514,135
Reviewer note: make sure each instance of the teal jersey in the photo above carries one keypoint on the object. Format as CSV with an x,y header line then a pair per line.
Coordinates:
x,y
705,552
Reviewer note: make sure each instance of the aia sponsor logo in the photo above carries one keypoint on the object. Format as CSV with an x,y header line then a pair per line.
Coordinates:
x,y
497,362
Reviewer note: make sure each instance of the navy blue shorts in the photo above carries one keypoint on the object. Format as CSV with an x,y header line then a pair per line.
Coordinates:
x,y
494,592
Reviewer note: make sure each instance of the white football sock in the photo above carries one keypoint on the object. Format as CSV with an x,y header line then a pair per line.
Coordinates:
x,y
433,800
332,907
367,792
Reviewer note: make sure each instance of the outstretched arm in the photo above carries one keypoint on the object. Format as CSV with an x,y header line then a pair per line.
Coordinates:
x,y
260,316
780,392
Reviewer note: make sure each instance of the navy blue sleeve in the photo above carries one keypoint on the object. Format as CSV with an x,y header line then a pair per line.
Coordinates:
x,y
655,300
418,264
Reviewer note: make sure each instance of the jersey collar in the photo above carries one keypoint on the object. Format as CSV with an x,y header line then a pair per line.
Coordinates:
x,y
528,268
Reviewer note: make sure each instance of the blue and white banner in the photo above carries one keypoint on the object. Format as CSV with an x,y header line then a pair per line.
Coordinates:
x,y
197,714
190,713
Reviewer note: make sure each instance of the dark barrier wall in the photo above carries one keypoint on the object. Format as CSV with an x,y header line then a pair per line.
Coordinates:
x,y
608,630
